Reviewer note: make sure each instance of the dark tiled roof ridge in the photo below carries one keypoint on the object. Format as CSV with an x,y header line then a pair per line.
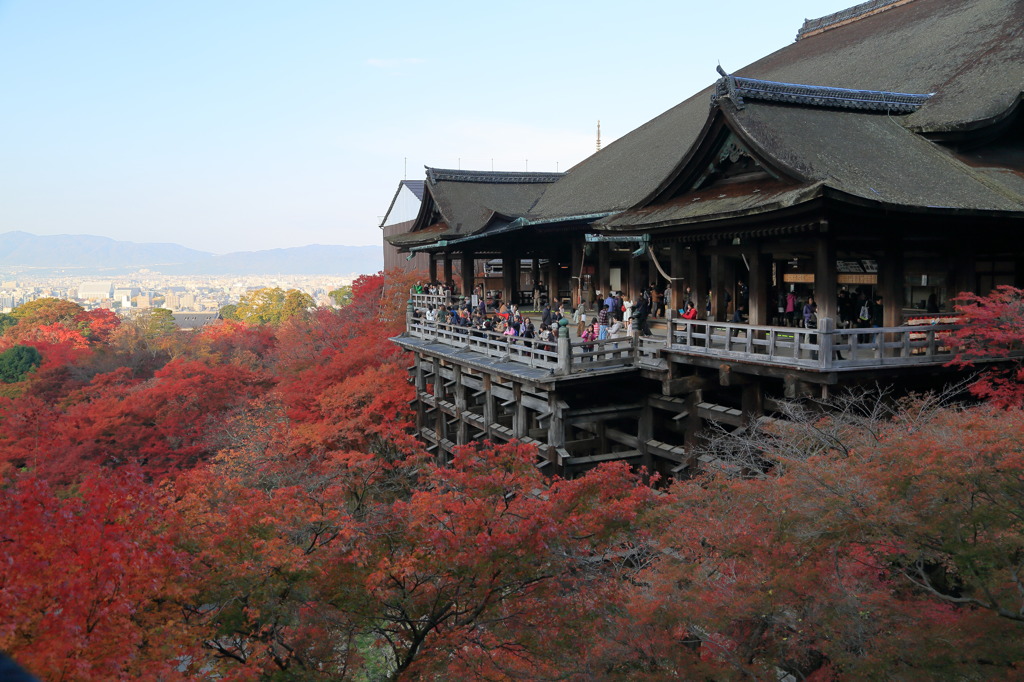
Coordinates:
x,y
813,26
509,177
739,88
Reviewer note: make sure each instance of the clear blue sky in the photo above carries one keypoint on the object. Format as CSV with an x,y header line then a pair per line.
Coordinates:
x,y
240,125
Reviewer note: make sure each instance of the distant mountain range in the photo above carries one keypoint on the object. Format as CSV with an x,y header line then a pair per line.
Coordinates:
x,y
87,255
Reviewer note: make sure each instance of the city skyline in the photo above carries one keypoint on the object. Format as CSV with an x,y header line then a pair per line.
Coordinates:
x,y
227,127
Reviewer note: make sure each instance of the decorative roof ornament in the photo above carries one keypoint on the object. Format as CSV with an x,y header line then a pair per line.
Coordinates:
x,y
738,89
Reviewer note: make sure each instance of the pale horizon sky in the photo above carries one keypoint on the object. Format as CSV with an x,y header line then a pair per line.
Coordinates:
x,y
229,125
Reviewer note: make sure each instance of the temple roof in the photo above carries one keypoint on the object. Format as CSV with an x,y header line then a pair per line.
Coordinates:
x,y
845,112
970,53
465,202
860,157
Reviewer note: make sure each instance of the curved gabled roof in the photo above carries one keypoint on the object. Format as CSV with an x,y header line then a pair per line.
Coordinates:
x,y
459,203
809,152
970,53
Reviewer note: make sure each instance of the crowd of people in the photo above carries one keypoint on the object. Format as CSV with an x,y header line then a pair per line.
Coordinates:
x,y
616,314
504,319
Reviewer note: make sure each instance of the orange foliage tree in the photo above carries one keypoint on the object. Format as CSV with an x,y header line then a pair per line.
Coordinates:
x,y
88,582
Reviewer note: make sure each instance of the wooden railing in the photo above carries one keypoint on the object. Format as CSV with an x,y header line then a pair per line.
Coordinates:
x,y
821,348
531,352
421,301
561,357
824,348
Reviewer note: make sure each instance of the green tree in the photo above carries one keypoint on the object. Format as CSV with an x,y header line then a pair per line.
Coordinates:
x,y
157,322
295,303
229,312
341,296
271,305
7,321
18,361
46,311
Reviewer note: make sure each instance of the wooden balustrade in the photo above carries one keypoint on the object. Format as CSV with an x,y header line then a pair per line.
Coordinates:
x,y
824,348
821,348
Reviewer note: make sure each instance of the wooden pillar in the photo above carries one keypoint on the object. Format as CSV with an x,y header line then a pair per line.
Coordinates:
x,y
420,382
459,389
576,273
825,291
752,402
699,281
519,426
694,424
510,278
556,428
637,281
677,264
448,270
603,273
891,282
761,305
722,280
490,409
552,283
432,267
963,271
644,433
467,271
440,423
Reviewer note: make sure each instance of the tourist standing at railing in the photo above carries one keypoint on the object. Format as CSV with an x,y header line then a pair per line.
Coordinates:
x,y
545,314
810,313
602,323
640,314
589,335
742,301
580,318
690,311
657,303
608,301
791,311
431,315
877,313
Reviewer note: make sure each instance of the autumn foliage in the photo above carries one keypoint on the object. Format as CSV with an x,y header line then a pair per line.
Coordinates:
x,y
247,502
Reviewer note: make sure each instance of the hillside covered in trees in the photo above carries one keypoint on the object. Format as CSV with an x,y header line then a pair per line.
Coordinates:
x,y
246,502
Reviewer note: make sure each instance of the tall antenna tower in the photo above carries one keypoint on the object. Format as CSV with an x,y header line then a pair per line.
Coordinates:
x,y
599,135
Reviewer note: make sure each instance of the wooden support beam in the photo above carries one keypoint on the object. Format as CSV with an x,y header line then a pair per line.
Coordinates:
x,y
621,437
682,385
721,414
752,401
727,377
519,424
607,457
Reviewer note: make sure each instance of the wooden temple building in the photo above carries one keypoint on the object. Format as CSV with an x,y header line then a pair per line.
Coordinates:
x,y
881,153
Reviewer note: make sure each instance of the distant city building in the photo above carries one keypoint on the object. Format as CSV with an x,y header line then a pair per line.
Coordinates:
x,y
192,321
96,291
